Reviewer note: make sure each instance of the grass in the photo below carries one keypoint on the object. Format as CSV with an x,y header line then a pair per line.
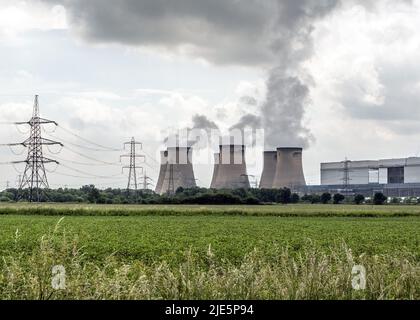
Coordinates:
x,y
208,210
312,274
221,252
153,238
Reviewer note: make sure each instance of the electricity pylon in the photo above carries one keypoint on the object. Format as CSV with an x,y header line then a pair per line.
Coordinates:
x,y
346,172
132,175
34,177
146,180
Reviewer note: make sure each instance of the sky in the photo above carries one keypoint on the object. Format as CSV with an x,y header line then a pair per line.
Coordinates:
x,y
339,78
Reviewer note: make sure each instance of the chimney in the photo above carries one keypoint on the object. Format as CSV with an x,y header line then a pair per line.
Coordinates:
x,y
231,172
289,168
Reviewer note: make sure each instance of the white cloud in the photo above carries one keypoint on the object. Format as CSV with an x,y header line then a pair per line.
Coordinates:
x,y
365,103
17,17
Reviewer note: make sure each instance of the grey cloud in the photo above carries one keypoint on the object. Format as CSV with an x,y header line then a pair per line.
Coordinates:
x,y
202,122
221,31
273,33
252,32
284,110
251,101
248,120
400,105
288,87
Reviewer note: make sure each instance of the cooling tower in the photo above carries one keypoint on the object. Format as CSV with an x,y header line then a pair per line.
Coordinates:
x,y
215,170
162,171
269,171
289,168
179,171
231,172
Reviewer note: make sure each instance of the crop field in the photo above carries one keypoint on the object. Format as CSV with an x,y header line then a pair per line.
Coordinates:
x,y
205,252
212,210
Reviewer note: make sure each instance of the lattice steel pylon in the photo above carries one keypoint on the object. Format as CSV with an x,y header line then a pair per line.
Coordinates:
x,y
346,177
146,182
132,175
34,177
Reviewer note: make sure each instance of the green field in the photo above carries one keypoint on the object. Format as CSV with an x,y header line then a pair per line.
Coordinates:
x,y
194,210
214,241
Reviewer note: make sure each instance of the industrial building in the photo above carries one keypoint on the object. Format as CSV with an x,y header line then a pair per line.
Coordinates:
x,y
176,170
162,171
283,169
230,170
387,171
393,177
269,170
215,170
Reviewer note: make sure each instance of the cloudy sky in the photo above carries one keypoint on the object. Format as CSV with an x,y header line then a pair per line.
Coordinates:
x,y
340,78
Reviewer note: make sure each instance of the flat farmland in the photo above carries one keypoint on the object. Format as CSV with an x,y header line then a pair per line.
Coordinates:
x,y
151,238
224,210
233,252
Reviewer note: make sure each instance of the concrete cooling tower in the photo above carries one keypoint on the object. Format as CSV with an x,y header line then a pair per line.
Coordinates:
x,y
269,171
162,171
178,171
289,169
231,172
215,170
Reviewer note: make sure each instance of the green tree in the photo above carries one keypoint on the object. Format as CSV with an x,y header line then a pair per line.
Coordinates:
x,y
395,200
359,199
93,194
379,199
284,196
295,198
338,198
326,197
315,199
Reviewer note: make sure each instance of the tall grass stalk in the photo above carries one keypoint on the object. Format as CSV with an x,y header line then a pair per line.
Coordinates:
x,y
311,274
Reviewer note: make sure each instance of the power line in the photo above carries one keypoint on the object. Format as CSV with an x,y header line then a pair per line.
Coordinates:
x,y
89,174
91,158
89,141
77,145
6,163
76,176
146,182
85,163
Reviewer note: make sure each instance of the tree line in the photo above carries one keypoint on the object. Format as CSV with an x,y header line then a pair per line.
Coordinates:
x,y
91,194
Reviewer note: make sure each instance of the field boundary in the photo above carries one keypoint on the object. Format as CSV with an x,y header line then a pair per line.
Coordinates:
x,y
102,212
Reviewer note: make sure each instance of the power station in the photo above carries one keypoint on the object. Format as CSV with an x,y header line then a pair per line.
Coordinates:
x,y
176,170
386,171
283,169
230,170
162,171
215,170
393,177
269,170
